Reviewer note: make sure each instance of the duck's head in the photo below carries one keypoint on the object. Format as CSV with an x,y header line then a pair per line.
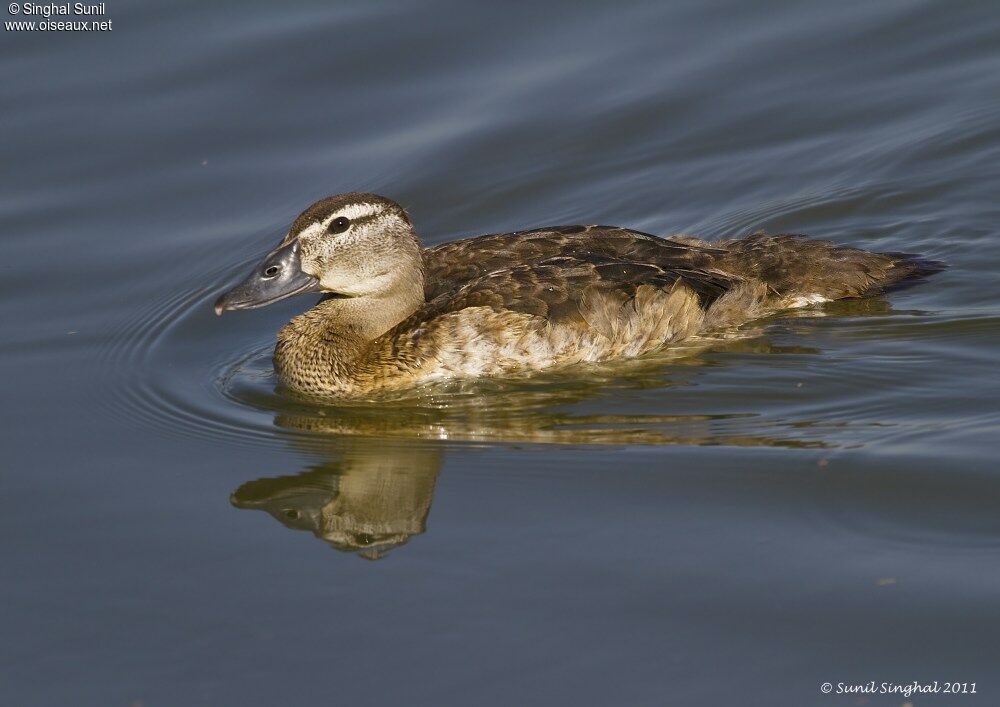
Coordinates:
x,y
350,245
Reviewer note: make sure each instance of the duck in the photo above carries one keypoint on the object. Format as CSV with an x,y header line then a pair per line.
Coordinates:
x,y
395,315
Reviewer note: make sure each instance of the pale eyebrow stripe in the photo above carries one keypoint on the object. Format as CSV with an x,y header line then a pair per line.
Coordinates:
x,y
354,211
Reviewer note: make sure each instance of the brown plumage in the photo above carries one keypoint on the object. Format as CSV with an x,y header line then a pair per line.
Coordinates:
x,y
515,302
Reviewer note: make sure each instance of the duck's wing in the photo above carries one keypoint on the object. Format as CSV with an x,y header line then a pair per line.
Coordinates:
x,y
563,309
452,265
555,287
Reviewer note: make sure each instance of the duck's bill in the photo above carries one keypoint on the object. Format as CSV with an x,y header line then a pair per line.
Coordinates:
x,y
277,276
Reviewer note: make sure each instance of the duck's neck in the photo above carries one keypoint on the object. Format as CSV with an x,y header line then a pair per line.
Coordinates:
x,y
322,351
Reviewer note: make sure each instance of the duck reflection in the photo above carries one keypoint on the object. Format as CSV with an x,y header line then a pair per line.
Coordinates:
x,y
366,502
374,484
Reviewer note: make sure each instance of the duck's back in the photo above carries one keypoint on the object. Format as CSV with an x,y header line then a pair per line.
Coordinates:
x,y
456,263
796,268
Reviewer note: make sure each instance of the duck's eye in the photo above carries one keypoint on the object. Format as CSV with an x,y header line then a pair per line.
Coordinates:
x,y
271,271
339,225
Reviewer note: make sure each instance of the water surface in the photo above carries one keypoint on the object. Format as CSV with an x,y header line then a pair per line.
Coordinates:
x,y
815,501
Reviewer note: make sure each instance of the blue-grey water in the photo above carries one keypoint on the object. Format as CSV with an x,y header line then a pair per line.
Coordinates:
x,y
818,501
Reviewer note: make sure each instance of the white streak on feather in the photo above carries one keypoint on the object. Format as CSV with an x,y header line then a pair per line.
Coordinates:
x,y
805,300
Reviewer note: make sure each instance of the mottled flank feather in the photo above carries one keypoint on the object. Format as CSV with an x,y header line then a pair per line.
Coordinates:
x,y
559,311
